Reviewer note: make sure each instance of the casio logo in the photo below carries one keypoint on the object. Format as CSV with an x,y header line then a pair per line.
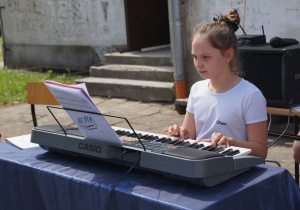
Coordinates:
x,y
89,147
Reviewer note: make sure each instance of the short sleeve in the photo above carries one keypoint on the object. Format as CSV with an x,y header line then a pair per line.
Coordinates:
x,y
190,106
256,108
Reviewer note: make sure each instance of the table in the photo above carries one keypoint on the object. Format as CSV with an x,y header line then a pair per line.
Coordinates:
x,y
285,111
37,179
296,115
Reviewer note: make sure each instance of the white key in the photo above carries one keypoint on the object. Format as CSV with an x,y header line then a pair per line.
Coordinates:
x,y
242,151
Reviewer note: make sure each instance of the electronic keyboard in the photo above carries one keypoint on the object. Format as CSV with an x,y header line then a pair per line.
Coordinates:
x,y
188,160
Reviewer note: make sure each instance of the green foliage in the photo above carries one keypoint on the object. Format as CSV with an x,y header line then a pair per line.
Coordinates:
x,y
13,83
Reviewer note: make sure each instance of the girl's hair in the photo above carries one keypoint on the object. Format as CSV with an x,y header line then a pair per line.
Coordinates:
x,y
221,35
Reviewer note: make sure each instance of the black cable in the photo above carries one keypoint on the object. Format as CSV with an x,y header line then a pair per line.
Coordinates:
x,y
118,180
284,130
122,158
125,153
242,29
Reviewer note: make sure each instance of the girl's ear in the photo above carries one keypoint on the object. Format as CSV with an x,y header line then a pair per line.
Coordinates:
x,y
229,54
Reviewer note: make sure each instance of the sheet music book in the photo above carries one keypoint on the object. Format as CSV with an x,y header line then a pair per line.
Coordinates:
x,y
92,126
22,142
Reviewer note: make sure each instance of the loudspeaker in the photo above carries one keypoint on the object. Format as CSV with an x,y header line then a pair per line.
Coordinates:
x,y
275,71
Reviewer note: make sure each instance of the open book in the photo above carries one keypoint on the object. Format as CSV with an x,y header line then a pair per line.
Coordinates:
x,y
92,126
22,142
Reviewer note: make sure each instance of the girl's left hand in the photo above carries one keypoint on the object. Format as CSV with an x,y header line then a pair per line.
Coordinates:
x,y
219,139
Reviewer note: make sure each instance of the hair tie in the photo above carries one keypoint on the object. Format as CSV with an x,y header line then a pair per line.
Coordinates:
x,y
233,24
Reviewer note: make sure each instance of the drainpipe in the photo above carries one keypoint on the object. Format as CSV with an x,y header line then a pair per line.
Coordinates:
x,y
177,47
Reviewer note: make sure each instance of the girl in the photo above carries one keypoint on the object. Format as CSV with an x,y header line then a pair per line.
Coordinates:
x,y
223,108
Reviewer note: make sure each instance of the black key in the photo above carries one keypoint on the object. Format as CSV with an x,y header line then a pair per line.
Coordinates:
x,y
207,147
167,141
160,140
212,149
182,143
178,142
193,145
200,146
185,144
123,133
233,153
144,136
149,137
219,149
174,142
127,133
152,138
119,132
131,134
227,151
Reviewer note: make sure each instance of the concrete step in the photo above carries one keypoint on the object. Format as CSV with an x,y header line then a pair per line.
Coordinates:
x,y
139,90
136,72
156,57
180,105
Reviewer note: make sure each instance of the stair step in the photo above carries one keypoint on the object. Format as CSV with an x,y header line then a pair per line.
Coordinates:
x,y
139,90
159,57
136,72
180,105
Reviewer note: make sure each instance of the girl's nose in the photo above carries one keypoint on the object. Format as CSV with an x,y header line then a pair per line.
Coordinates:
x,y
198,64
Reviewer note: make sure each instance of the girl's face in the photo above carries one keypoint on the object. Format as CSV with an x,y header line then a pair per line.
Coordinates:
x,y
209,61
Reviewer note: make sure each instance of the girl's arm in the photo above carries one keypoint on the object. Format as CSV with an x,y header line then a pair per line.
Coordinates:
x,y
188,125
257,139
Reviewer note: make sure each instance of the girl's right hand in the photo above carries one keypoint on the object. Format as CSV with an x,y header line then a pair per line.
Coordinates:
x,y
177,131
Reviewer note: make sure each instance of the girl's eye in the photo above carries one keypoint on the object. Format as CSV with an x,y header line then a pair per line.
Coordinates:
x,y
205,57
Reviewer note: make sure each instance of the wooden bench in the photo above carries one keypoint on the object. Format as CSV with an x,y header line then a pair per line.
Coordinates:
x,y
38,94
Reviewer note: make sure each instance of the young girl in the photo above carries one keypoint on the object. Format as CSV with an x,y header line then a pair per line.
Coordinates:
x,y
223,108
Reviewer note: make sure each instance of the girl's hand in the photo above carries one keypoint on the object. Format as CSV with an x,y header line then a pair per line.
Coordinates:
x,y
177,131
219,139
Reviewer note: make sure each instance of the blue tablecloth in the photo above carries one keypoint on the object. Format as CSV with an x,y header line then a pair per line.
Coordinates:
x,y
37,179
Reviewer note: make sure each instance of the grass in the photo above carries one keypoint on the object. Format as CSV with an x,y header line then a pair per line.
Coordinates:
x,y
13,83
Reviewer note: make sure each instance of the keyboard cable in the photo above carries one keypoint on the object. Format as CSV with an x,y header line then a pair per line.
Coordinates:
x,y
118,180
288,123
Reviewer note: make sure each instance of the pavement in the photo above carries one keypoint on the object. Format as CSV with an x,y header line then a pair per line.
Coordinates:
x,y
15,120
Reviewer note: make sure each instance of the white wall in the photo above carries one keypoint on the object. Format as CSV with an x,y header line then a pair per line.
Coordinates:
x,y
66,22
279,18
30,25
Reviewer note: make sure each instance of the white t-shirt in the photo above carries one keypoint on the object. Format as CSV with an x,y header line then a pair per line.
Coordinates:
x,y
226,113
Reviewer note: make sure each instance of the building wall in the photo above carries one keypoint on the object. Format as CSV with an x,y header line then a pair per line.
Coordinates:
x,y
72,34
279,18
